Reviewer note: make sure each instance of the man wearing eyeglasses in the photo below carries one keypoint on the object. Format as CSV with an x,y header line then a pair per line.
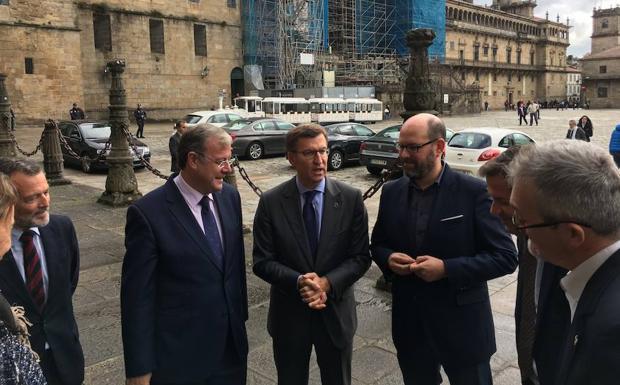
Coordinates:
x,y
540,306
183,289
566,197
311,245
436,239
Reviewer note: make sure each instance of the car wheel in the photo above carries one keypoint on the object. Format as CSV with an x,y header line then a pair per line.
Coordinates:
x,y
335,160
86,164
255,151
374,170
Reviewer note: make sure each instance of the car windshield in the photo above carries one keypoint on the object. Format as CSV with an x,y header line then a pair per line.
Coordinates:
x,y
95,130
473,140
192,119
236,125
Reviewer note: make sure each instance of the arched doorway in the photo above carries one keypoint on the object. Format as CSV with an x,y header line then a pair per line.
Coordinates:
x,y
236,83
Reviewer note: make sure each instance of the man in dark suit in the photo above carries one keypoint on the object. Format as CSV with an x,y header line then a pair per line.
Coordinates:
x,y
566,196
311,245
173,144
183,289
41,274
538,330
438,242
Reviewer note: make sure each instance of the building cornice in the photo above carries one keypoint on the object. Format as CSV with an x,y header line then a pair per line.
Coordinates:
x,y
21,24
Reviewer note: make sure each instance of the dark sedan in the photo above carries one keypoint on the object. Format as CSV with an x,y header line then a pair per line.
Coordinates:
x,y
379,152
256,137
88,139
344,140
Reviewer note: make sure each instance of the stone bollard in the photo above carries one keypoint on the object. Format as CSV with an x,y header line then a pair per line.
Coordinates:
x,y
419,96
52,155
121,185
7,146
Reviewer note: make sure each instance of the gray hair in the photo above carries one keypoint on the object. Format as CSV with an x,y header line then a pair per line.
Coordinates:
x,y
195,138
26,166
574,180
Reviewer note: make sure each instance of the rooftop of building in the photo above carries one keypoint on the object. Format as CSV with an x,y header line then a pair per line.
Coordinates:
x,y
611,53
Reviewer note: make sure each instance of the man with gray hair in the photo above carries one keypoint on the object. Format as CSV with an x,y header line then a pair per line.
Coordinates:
x,y
183,288
537,285
566,196
575,132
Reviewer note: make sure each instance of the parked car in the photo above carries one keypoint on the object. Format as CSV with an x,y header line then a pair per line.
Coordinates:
x,y
471,148
255,137
380,152
216,118
344,140
88,139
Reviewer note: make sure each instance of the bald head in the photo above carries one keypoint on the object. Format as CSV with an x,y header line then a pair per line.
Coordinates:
x,y
428,124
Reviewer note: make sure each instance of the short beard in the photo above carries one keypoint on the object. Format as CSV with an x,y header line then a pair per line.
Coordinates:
x,y
423,168
26,223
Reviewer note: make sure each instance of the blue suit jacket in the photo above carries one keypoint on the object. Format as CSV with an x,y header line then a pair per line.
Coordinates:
x,y
56,323
176,304
591,353
475,247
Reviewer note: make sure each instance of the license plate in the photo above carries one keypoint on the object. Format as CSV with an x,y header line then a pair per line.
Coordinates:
x,y
379,162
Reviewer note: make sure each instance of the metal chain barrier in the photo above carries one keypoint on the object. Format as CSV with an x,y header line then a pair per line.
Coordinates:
x,y
385,176
144,162
246,177
25,153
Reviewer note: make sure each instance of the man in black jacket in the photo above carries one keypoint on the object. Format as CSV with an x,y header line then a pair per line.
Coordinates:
x,y
41,273
140,115
576,132
173,145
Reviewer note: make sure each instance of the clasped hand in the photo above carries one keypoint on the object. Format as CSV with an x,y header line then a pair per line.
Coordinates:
x,y
426,267
313,290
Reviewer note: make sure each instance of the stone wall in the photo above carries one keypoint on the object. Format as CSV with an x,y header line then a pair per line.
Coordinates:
x,y
59,36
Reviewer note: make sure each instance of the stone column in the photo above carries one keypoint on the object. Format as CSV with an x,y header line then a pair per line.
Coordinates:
x,y
121,185
7,146
419,96
52,155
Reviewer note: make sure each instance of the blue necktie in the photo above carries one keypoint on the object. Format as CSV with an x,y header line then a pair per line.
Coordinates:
x,y
311,222
211,233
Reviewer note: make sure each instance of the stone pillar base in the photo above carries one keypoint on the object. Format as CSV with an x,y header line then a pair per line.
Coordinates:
x,y
118,199
60,181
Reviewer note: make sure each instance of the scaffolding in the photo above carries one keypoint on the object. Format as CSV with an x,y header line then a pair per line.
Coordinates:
x,y
362,41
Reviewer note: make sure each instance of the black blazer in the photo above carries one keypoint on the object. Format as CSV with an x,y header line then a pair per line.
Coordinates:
x,y
56,323
173,146
176,303
475,247
282,253
591,354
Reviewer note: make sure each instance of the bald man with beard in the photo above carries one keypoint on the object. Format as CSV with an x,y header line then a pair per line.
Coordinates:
x,y
438,242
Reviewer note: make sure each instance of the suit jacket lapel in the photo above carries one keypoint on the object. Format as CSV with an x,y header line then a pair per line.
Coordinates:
x,y
226,224
291,207
332,203
49,249
10,274
181,212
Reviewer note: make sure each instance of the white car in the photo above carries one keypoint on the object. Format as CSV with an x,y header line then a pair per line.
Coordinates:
x,y
469,149
217,118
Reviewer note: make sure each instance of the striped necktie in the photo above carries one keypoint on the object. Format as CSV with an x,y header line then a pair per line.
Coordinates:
x,y
32,269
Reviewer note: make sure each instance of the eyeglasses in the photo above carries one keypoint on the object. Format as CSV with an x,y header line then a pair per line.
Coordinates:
x,y
516,221
412,148
230,162
310,154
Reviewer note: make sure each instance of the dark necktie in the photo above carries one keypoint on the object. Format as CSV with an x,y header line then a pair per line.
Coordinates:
x,y
311,222
211,232
32,269
527,328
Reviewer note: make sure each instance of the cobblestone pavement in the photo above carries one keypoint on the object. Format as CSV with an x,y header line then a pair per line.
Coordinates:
x,y
101,234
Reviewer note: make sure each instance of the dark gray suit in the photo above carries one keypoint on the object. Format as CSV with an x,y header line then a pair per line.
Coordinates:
x,y
282,254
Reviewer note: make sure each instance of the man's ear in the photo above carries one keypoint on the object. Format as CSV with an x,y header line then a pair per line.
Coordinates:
x,y
576,235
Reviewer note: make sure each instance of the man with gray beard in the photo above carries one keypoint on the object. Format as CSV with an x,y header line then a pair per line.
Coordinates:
x,y
438,242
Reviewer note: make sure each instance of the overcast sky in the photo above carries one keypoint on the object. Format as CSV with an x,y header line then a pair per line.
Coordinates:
x,y
580,14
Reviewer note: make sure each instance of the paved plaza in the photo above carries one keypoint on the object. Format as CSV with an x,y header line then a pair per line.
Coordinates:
x,y
101,234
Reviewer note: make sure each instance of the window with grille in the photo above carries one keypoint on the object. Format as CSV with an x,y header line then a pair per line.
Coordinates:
x,y
231,3
200,40
602,69
156,30
29,66
602,92
102,32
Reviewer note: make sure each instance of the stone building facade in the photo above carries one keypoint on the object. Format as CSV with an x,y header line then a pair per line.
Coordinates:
x,y
179,54
506,51
601,68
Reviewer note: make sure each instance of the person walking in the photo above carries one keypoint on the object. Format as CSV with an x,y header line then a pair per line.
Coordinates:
x,y
521,112
76,113
586,124
576,132
532,110
140,115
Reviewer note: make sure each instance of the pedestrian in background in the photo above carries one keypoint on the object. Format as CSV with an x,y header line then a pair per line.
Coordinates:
x,y
532,109
614,145
576,132
76,112
18,363
486,105
521,112
387,111
173,144
586,124
12,119
140,115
